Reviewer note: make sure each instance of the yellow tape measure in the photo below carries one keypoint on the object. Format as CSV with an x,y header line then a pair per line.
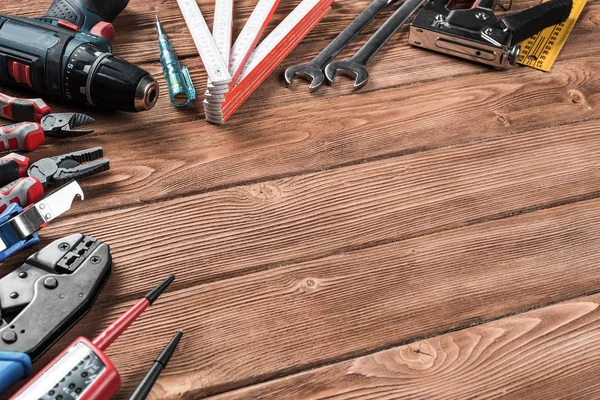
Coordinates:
x,y
540,51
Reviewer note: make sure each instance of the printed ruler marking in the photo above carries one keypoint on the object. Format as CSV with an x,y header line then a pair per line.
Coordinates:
x,y
215,66
541,50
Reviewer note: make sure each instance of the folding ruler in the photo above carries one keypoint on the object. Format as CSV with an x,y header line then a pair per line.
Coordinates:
x,y
215,65
270,53
234,72
541,50
223,22
245,43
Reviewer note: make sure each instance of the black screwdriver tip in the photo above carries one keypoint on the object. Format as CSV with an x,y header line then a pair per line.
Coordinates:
x,y
168,351
157,291
147,382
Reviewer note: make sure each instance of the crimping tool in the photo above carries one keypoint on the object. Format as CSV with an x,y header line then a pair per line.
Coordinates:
x,y
28,181
42,299
469,28
18,227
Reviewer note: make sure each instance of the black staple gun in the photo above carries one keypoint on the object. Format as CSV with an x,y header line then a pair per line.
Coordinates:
x,y
470,29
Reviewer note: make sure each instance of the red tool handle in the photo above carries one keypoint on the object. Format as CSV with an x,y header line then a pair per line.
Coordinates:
x,y
24,192
13,167
26,136
23,110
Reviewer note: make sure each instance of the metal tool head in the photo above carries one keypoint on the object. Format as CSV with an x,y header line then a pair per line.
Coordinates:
x,y
56,171
52,206
349,68
159,28
55,288
65,125
309,73
59,201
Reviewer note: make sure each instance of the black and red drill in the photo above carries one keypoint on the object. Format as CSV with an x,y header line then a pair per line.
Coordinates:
x,y
67,55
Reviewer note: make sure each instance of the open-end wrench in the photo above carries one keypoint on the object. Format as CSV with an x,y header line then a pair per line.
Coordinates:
x,y
356,66
313,71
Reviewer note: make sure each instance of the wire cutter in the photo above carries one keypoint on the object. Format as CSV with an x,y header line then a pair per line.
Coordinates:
x,y
35,122
24,183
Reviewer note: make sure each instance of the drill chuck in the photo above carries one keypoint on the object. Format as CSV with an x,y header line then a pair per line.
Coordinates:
x,y
104,80
146,94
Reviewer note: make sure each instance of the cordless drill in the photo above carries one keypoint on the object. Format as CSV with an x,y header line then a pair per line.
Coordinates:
x,y
66,54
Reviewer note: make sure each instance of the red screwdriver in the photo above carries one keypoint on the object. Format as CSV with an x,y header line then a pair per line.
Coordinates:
x,y
83,371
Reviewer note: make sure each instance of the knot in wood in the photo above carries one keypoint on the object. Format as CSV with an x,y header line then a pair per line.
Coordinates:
x,y
419,356
502,119
309,285
265,191
576,97
595,20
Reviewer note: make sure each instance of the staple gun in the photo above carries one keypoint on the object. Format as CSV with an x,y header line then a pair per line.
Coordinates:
x,y
470,29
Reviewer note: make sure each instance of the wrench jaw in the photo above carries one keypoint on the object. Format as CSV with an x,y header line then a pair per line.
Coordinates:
x,y
351,69
307,72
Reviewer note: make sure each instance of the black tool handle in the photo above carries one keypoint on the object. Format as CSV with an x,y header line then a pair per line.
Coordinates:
x,y
88,12
489,4
531,21
108,10
9,172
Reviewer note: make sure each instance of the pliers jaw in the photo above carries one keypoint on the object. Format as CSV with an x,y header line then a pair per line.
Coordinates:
x,y
56,171
63,125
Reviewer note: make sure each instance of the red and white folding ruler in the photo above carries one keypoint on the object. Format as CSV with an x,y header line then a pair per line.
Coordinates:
x,y
248,65
264,60
268,55
216,68
222,25
244,45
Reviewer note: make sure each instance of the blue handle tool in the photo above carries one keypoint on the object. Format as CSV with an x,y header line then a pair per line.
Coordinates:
x,y
10,242
13,368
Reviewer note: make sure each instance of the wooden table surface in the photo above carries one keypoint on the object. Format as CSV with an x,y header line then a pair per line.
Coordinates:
x,y
434,236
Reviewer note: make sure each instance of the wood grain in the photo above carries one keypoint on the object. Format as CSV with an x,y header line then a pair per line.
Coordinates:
x,y
243,229
136,30
253,328
550,353
312,231
175,161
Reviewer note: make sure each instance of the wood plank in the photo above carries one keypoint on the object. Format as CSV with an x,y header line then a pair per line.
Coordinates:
x,y
136,30
195,157
399,65
250,329
550,353
244,229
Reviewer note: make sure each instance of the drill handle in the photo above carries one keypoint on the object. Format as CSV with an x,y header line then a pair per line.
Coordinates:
x,y
533,20
88,15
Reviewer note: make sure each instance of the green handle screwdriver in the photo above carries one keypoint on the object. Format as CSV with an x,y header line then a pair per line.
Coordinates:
x,y
179,82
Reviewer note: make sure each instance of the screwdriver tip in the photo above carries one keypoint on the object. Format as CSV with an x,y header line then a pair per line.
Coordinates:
x,y
159,26
158,290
